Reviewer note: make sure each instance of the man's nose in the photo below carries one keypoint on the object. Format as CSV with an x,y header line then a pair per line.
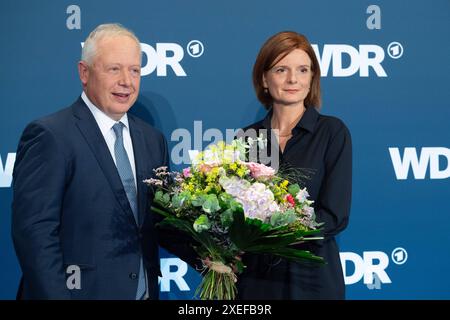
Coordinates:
x,y
125,78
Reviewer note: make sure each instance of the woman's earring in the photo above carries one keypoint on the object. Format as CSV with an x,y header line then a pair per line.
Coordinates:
x,y
266,91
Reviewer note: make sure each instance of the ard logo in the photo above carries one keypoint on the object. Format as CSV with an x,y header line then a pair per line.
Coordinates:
x,y
371,267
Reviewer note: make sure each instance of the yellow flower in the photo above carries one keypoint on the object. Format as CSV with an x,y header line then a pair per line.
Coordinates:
x,y
240,172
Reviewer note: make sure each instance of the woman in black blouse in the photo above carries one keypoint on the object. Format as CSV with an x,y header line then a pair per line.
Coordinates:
x,y
286,77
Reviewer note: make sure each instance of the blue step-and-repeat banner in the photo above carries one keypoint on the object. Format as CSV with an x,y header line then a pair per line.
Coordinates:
x,y
385,73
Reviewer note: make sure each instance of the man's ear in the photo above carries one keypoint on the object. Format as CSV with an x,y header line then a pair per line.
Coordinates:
x,y
83,71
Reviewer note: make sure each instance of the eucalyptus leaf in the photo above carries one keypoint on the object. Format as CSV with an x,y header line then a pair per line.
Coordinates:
x,y
294,189
226,218
211,204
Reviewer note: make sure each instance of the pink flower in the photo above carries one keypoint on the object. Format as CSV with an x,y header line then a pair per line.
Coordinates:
x,y
187,172
260,171
205,168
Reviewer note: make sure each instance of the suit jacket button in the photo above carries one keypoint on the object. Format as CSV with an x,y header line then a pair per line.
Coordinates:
x,y
133,276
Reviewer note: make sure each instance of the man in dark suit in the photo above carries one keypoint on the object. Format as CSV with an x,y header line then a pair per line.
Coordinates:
x,y
81,226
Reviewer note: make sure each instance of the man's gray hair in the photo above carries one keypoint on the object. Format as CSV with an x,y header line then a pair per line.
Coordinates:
x,y
105,30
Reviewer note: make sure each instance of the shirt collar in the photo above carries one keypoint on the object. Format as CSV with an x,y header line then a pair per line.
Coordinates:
x,y
104,122
307,121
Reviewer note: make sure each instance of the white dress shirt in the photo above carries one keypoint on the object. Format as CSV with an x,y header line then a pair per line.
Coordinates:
x,y
105,124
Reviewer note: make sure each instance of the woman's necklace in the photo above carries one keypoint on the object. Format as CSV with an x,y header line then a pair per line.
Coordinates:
x,y
291,126
283,135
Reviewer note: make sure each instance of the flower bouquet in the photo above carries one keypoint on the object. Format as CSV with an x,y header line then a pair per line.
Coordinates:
x,y
228,207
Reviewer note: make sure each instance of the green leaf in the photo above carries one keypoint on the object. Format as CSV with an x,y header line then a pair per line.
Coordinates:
x,y
178,201
279,219
226,201
159,211
158,195
297,255
211,204
162,198
166,198
203,238
199,200
252,235
202,223
243,232
294,189
226,218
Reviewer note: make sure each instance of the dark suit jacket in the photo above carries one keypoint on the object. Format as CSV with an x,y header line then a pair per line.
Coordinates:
x,y
70,208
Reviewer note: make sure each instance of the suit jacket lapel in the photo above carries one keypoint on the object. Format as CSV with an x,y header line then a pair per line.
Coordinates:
x,y
94,138
137,137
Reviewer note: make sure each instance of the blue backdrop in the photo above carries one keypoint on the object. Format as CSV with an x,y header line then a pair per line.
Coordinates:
x,y
385,74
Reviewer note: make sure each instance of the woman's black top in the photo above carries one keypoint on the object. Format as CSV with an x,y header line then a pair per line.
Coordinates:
x,y
321,145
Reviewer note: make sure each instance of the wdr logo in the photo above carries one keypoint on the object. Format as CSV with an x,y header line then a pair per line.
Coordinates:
x,y
165,55
360,59
6,170
428,157
371,267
